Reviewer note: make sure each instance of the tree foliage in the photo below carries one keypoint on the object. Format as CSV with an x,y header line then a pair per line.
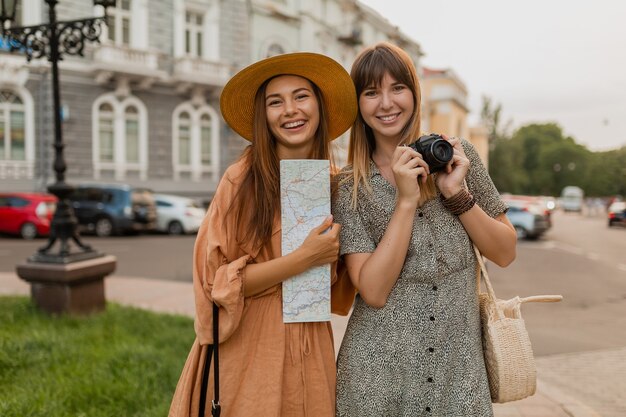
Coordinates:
x,y
537,159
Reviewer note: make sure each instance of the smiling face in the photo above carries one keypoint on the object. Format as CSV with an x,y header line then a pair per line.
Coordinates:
x,y
293,116
387,108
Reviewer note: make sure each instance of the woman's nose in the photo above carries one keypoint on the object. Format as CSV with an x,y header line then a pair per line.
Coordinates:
x,y
385,100
290,107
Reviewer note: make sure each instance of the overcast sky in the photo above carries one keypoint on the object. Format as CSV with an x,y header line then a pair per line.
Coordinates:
x,y
560,61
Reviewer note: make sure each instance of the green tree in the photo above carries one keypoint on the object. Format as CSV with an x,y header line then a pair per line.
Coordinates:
x,y
503,155
550,160
538,159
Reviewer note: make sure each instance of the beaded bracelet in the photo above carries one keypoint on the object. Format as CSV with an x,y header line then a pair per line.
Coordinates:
x,y
459,203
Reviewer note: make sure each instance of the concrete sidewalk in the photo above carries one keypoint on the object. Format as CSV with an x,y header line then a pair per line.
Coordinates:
x,y
177,298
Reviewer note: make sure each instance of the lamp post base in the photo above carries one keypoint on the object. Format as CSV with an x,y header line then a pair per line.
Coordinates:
x,y
73,288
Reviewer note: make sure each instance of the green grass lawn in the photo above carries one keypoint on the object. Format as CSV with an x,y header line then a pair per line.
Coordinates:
x,y
123,362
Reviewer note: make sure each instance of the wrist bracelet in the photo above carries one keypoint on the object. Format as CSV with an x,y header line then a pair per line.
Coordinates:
x,y
458,203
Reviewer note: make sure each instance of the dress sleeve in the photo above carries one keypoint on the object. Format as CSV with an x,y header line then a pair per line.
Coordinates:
x,y
217,273
353,237
480,184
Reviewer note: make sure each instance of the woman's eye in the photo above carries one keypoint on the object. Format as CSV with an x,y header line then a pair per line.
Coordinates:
x,y
301,96
399,87
369,93
273,102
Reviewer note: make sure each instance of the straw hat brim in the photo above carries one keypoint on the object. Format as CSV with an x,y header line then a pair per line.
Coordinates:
x,y
339,95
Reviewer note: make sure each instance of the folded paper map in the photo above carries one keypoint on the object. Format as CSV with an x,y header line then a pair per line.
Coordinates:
x,y
305,203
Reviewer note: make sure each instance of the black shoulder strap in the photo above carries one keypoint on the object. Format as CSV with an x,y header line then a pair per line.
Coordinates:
x,y
212,351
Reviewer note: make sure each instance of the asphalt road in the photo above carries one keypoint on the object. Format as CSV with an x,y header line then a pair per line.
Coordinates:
x,y
580,258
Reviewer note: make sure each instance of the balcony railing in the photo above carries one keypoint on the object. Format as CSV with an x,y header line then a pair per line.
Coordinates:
x,y
122,59
16,170
200,71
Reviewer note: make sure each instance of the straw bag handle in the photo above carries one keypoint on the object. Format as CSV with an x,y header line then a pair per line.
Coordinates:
x,y
541,299
491,294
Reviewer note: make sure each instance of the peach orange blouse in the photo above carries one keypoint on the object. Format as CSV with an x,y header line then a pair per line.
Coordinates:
x,y
267,368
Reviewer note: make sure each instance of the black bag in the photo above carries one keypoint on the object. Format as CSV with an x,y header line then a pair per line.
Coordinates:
x,y
212,351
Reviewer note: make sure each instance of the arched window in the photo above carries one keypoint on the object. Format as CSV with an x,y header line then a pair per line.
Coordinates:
x,y
120,147
131,118
206,140
106,132
184,139
12,127
195,142
274,49
17,140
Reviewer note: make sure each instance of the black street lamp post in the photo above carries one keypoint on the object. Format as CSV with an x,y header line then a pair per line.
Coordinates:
x,y
51,274
52,40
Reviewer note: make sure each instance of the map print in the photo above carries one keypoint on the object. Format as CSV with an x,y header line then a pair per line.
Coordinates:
x,y
305,203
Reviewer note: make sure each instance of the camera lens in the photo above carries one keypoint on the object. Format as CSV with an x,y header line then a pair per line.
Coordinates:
x,y
441,150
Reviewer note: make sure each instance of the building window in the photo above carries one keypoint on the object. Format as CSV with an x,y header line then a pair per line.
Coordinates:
x,y
274,49
184,139
119,23
205,140
131,119
12,127
195,142
106,133
193,34
120,137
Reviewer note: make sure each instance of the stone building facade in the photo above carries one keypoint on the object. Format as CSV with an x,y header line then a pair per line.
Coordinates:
x,y
142,107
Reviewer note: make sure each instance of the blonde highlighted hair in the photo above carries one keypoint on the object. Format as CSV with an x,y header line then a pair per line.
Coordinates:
x,y
369,69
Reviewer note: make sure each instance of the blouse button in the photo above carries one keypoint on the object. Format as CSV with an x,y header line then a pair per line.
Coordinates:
x,y
430,380
420,214
431,350
427,409
434,288
432,318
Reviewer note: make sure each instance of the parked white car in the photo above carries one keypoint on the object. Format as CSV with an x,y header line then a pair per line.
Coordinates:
x,y
178,215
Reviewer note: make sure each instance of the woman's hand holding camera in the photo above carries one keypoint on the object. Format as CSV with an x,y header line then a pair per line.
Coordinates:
x,y
450,180
321,246
407,165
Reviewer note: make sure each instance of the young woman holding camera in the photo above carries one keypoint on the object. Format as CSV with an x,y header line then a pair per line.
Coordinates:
x,y
289,107
413,343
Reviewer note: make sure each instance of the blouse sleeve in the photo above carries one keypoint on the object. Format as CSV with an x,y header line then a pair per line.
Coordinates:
x,y
353,237
480,184
216,276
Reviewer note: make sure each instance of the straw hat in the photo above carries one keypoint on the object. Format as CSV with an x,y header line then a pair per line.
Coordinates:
x,y
237,100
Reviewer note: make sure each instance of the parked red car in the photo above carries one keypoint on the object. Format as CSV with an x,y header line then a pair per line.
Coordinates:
x,y
26,214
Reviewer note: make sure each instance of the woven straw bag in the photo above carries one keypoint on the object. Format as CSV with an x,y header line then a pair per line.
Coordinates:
x,y
508,354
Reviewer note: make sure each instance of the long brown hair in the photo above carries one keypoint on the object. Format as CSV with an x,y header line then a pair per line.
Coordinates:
x,y
257,202
369,69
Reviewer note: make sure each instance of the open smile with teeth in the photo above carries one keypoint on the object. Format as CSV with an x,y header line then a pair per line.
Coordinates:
x,y
294,124
389,118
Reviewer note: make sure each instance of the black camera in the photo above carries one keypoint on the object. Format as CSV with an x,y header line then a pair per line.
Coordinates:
x,y
435,150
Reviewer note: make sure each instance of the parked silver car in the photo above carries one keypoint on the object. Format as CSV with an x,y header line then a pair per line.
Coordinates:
x,y
529,222
178,215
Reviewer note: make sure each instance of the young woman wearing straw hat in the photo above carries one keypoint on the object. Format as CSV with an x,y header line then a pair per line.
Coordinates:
x,y
289,107
413,343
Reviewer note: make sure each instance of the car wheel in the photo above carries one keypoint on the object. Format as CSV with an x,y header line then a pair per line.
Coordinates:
x,y
521,232
175,228
104,227
28,231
